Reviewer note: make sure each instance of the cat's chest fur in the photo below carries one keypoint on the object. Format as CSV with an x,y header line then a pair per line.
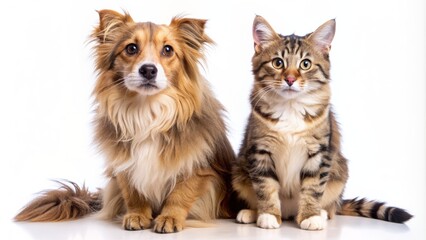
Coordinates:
x,y
289,115
289,161
292,154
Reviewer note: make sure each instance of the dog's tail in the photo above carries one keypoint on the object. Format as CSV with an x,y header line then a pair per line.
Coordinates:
x,y
373,209
67,202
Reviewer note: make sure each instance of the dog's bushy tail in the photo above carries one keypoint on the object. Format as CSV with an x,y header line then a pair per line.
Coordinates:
x,y
373,209
68,202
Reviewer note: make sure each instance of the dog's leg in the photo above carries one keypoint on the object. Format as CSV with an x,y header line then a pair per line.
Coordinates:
x,y
179,202
139,212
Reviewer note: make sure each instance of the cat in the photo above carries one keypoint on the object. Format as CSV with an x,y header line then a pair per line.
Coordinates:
x,y
290,164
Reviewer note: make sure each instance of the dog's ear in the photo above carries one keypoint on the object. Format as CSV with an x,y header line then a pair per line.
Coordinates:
x,y
109,21
191,31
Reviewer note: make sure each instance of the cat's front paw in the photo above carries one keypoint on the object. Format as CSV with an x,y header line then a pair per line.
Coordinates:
x,y
316,222
268,221
136,221
246,216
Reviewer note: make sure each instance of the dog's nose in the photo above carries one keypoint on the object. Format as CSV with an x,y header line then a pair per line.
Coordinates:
x,y
148,71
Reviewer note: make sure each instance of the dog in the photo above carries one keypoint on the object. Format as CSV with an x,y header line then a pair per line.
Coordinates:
x,y
159,127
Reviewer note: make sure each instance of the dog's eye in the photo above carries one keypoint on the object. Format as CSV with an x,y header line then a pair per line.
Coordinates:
x,y
168,51
132,49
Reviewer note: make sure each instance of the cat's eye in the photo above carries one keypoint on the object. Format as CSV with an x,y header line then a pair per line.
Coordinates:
x,y
305,64
278,63
167,51
132,49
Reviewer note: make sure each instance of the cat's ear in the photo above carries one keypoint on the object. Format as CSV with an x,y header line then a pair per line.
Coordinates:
x,y
262,33
323,36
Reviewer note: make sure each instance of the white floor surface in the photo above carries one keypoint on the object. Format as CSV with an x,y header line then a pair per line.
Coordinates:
x,y
342,227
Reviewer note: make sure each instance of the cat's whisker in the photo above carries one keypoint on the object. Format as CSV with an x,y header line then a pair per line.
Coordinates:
x,y
261,91
260,94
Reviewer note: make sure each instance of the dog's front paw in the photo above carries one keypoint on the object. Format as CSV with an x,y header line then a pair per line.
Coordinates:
x,y
268,221
246,216
316,222
135,221
168,224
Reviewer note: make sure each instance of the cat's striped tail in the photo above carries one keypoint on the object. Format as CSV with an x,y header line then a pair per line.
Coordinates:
x,y
373,209
65,203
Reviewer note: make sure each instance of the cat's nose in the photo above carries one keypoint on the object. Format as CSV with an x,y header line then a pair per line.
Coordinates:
x,y
290,80
148,71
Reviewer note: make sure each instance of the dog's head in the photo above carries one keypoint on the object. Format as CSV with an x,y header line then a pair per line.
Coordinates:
x,y
143,58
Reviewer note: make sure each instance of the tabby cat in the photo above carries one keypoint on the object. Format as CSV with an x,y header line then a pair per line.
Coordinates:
x,y
290,164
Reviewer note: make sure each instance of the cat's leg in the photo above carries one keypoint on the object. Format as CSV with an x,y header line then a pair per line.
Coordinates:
x,y
332,195
315,222
314,178
268,206
268,213
266,186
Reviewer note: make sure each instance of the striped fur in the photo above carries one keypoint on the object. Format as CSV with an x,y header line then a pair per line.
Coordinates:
x,y
290,163
373,209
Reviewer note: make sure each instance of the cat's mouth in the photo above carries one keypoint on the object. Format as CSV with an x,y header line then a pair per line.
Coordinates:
x,y
290,90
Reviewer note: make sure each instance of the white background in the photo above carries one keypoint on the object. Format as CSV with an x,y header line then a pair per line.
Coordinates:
x,y
378,84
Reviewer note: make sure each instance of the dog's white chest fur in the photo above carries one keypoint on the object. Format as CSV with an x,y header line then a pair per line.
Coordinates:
x,y
145,170
147,173
151,175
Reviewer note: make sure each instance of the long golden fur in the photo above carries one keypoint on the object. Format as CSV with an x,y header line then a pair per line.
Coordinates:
x,y
158,125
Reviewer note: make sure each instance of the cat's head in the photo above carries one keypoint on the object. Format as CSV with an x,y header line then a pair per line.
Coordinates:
x,y
291,65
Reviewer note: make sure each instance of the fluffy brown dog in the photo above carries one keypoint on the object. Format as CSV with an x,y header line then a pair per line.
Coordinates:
x,y
159,126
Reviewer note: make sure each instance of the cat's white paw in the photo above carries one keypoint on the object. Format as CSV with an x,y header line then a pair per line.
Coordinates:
x,y
315,222
266,220
246,216
324,214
